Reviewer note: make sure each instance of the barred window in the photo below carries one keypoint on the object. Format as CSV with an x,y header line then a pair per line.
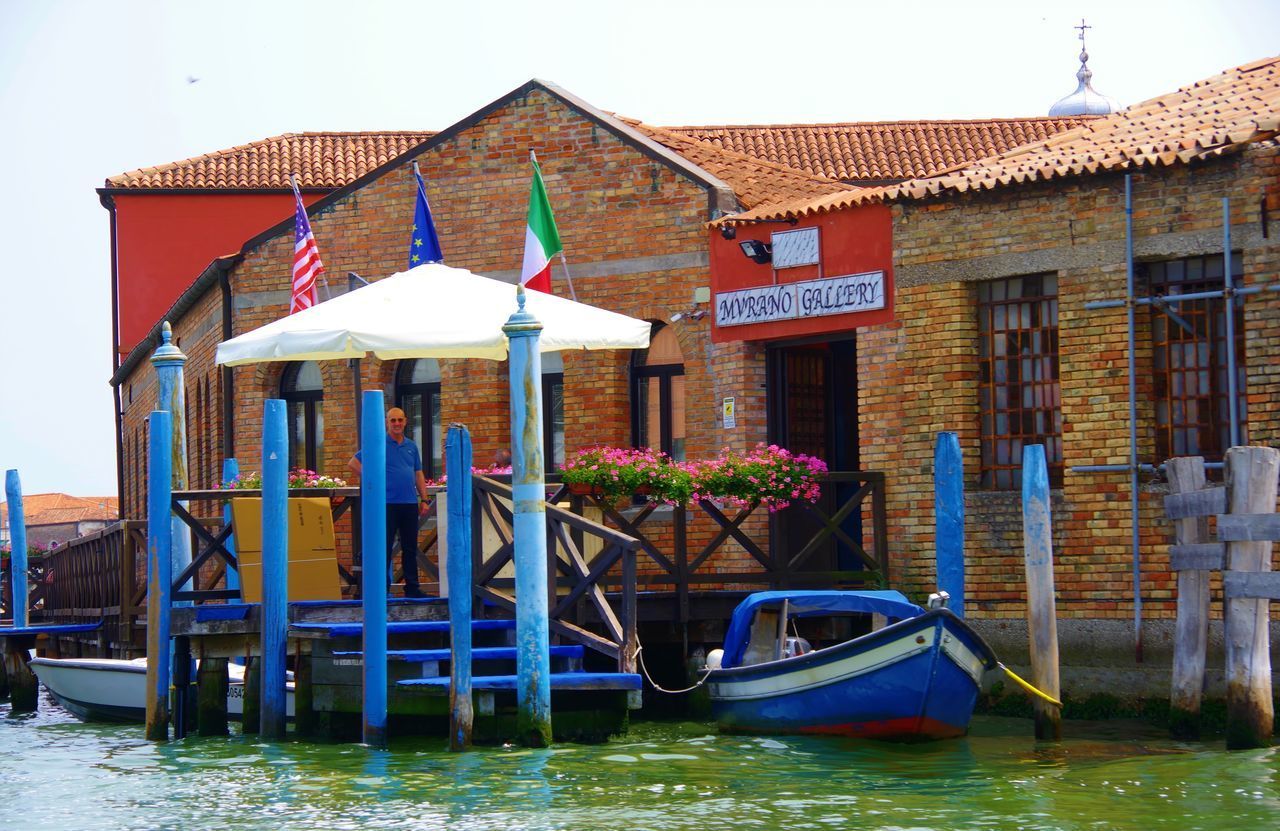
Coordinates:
x,y
1189,358
1018,395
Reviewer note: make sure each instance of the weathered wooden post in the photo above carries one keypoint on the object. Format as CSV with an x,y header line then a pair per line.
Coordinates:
x,y
1191,557
251,720
168,361
159,573
948,512
1251,492
1037,549
211,697
458,568
275,567
528,491
230,470
373,577
23,688
17,548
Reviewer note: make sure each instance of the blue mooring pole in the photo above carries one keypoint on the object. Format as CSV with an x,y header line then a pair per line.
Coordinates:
x,y
275,567
17,548
159,572
230,470
528,490
373,558
458,570
948,512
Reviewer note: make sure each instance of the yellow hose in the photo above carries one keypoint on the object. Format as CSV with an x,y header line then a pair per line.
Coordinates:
x,y
1026,685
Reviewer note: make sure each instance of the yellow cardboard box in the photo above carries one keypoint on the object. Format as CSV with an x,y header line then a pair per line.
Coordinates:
x,y
313,555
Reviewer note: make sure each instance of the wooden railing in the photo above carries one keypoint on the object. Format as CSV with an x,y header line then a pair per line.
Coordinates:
x,y
847,527
100,576
572,580
210,556
595,568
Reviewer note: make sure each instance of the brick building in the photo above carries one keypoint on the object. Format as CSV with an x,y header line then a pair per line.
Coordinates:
x,y
632,202
989,336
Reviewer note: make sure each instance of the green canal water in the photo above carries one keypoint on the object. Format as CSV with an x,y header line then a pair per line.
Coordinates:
x,y
56,773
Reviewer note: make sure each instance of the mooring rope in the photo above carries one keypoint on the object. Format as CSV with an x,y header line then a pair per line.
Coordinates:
x,y
640,659
1028,686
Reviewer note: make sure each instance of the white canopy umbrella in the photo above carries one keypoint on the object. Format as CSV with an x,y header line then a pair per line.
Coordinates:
x,y
432,311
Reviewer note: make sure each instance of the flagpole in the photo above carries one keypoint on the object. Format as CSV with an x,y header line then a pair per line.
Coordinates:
x,y
564,263
293,181
573,295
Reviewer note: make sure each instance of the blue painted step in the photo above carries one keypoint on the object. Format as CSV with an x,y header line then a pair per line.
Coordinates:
x,y
483,653
398,627
559,681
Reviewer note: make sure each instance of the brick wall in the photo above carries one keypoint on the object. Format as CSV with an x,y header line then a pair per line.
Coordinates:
x,y
633,234
918,376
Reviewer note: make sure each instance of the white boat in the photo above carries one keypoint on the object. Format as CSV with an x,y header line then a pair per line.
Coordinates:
x,y
113,689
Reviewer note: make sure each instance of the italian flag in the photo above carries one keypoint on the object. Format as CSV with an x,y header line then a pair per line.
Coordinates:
x,y
541,239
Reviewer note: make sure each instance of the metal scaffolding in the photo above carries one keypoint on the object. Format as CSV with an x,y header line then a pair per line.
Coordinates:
x,y
1166,303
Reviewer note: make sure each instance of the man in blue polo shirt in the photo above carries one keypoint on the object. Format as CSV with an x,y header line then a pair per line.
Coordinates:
x,y
406,496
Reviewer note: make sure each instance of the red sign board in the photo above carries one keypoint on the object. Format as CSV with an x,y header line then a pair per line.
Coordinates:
x,y
826,274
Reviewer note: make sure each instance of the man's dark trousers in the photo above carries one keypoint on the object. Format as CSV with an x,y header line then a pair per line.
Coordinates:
x,y
402,520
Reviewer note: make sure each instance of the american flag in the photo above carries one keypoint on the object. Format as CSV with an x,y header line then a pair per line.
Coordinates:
x,y
306,260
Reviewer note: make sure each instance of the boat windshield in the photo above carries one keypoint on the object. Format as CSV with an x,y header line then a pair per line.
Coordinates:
x,y
893,605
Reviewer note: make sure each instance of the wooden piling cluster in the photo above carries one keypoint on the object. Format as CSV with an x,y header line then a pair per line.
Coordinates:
x,y
1246,526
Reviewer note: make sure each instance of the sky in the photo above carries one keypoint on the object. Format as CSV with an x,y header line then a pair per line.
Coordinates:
x,y
92,89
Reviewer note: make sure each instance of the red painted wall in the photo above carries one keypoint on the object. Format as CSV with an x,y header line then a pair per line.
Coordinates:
x,y
164,241
852,241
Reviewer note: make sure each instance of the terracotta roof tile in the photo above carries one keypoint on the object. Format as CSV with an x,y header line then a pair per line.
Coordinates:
x,y
321,160
57,508
879,152
1212,117
754,181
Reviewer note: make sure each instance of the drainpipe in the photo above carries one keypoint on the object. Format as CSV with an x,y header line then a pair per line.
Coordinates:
x,y
1133,419
228,376
110,205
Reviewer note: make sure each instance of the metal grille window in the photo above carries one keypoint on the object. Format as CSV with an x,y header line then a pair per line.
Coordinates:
x,y
1189,358
1018,393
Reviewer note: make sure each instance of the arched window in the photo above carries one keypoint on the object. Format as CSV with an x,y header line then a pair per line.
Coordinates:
x,y
302,388
657,394
553,410
418,394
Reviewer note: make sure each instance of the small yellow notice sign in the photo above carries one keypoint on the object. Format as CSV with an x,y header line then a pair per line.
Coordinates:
x,y
313,556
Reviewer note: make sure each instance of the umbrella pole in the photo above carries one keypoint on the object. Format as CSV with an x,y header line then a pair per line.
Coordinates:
x,y
533,660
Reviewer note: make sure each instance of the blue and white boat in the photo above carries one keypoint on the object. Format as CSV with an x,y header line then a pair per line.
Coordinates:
x,y
916,678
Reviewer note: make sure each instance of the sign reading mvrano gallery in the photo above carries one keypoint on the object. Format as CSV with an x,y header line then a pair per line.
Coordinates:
x,y
791,301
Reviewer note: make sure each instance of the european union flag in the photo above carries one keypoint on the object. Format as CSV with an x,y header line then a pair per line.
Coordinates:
x,y
424,246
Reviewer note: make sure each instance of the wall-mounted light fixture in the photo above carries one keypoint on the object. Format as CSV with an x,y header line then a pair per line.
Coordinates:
x,y
692,314
757,251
